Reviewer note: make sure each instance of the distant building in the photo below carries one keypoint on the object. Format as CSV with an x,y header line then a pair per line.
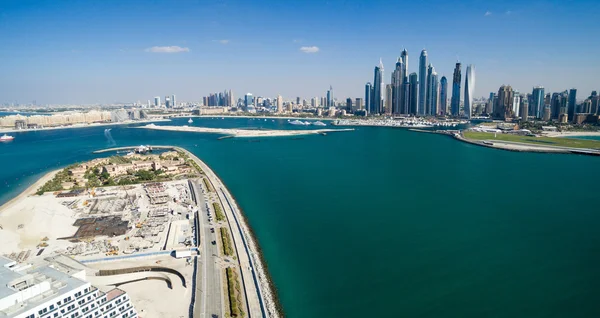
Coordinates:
x,y
414,92
422,83
443,96
537,102
168,102
279,104
524,107
377,97
359,104
248,101
368,96
20,124
157,101
349,104
388,99
455,102
503,108
173,101
469,90
572,103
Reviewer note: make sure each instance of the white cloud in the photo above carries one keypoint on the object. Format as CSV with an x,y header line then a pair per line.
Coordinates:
x,y
167,49
487,13
222,41
309,49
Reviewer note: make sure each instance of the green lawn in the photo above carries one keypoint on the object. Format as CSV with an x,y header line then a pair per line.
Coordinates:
x,y
540,141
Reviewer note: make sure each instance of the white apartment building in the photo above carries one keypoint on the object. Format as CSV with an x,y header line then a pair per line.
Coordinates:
x,y
55,290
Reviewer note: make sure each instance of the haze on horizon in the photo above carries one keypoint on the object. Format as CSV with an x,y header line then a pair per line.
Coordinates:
x,y
124,51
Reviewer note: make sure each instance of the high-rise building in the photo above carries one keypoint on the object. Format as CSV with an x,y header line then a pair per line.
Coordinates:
x,y
556,105
422,82
397,87
404,57
248,101
504,103
571,107
405,104
428,93
455,102
586,107
314,102
167,102
54,289
516,105
443,96
434,100
469,90
349,104
595,98
489,106
173,101
297,100
524,102
388,99
537,102
377,97
359,104
157,101
413,79
330,97
279,104
290,107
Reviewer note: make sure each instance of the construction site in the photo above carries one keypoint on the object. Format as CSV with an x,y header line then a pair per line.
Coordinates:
x,y
101,222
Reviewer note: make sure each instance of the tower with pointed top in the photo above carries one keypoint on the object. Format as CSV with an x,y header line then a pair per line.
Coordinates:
x,y
422,83
397,87
377,98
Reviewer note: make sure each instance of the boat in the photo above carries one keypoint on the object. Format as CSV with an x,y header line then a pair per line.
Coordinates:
x,y
319,123
298,122
190,121
6,138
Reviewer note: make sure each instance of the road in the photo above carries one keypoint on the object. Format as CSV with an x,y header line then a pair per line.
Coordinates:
x,y
209,295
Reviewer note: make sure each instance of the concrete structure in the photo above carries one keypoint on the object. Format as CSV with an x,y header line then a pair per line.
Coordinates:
x,y
279,104
56,290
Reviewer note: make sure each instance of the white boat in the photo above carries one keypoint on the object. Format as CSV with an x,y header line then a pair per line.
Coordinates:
x,y
190,121
319,123
6,138
298,122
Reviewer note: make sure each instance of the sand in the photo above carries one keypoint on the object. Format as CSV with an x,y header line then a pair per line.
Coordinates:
x,y
244,132
12,130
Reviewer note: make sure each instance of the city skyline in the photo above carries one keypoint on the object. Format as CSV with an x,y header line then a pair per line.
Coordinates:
x,y
99,56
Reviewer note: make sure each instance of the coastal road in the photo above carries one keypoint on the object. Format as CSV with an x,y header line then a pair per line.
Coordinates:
x,y
209,293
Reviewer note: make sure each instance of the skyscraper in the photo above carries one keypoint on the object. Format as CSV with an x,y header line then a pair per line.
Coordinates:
x,y
248,101
348,104
455,103
167,102
469,90
388,99
173,101
377,103
443,96
359,103
157,101
524,101
404,57
428,90
422,82
368,97
504,103
279,104
433,84
397,87
413,96
572,103
330,97
537,105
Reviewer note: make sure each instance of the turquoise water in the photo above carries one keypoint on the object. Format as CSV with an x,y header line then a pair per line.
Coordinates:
x,y
386,222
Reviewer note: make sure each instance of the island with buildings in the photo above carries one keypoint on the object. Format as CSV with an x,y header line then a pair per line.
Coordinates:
x,y
153,233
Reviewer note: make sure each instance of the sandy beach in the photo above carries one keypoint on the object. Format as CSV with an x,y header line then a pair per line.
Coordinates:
x,y
572,134
244,132
29,191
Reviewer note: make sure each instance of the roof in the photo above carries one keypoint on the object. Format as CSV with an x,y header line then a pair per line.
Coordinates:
x,y
114,293
6,276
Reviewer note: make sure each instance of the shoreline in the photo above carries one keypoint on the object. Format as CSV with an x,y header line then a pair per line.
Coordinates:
x,y
259,117
29,190
244,133
266,288
4,131
567,134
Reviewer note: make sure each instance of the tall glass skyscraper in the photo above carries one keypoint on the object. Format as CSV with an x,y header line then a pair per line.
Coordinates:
x,y
377,104
443,96
537,102
248,100
429,93
413,96
469,90
404,57
572,107
368,96
455,102
422,82
397,86
433,84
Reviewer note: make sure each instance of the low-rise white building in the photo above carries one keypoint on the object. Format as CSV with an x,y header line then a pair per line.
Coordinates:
x,y
51,291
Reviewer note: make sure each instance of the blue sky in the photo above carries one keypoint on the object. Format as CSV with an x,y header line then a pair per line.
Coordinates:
x,y
102,51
